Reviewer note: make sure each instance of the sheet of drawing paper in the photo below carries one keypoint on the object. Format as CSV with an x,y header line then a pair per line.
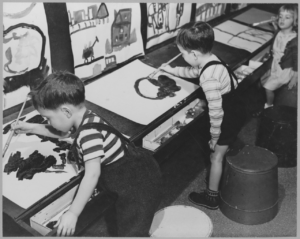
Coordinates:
x,y
164,20
103,35
26,49
28,191
254,15
209,11
116,92
241,36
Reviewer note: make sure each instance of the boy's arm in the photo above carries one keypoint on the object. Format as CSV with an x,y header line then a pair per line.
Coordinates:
x,y
186,72
40,129
211,89
88,183
294,80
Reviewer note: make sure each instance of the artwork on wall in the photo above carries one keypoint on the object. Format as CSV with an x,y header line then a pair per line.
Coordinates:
x,y
209,11
237,6
26,50
164,20
241,36
120,93
103,35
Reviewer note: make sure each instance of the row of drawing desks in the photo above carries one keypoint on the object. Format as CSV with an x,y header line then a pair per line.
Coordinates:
x,y
101,204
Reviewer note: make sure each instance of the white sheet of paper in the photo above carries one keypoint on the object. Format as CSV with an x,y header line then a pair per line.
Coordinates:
x,y
241,36
116,93
28,191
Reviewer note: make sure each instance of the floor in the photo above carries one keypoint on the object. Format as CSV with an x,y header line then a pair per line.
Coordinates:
x,y
184,172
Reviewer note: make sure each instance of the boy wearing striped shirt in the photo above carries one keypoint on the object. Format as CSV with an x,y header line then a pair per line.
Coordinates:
x,y
226,112
136,179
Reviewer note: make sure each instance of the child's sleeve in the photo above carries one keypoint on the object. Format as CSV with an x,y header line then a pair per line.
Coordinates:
x,y
187,72
91,144
211,89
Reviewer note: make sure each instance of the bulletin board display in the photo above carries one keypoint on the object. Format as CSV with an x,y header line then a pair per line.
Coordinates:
x,y
241,36
26,49
103,35
164,21
208,11
26,192
127,93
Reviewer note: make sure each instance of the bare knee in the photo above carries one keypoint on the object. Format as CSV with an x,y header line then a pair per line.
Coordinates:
x,y
216,158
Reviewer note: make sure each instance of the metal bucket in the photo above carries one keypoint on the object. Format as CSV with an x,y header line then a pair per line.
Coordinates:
x,y
249,188
278,133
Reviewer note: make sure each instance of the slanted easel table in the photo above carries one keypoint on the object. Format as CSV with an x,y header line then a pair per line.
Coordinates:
x,y
200,125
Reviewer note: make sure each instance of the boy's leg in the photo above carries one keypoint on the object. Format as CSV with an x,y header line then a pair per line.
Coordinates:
x,y
216,159
270,97
210,197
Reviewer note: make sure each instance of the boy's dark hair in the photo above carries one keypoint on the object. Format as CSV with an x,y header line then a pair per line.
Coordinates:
x,y
196,36
57,89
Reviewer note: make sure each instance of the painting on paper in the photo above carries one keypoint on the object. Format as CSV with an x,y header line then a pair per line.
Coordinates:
x,y
26,50
164,20
241,36
103,35
25,178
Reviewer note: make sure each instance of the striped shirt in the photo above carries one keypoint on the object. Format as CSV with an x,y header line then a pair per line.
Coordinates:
x,y
92,143
215,82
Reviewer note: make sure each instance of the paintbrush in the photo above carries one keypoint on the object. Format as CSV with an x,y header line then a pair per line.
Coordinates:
x,y
158,69
264,22
12,131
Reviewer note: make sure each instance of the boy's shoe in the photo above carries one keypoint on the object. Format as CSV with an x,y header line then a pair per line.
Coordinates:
x,y
257,113
207,198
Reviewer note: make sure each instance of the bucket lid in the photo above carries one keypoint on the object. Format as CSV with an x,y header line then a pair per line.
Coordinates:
x,y
281,113
181,221
253,159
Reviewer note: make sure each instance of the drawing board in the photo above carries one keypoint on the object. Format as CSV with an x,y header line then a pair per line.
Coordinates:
x,y
26,192
254,15
116,93
241,36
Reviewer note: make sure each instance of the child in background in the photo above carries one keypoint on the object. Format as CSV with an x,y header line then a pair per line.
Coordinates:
x,y
284,68
226,112
60,98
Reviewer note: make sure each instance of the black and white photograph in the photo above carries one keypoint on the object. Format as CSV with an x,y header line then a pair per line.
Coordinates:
x,y
149,119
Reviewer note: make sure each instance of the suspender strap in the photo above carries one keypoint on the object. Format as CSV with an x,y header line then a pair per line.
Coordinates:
x,y
107,128
230,72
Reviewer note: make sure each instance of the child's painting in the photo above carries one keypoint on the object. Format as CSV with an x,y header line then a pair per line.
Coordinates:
x,y
26,50
128,93
241,36
33,165
103,35
209,11
164,20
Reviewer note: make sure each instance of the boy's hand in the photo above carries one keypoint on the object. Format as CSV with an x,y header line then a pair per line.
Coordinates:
x,y
165,67
22,127
275,22
293,82
212,144
66,224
